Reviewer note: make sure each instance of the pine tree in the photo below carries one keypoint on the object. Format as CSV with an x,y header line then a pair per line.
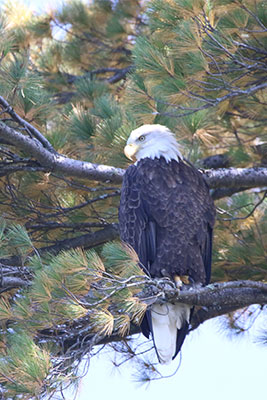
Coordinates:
x,y
74,83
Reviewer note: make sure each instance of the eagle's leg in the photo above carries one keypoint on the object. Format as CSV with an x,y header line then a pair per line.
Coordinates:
x,y
181,280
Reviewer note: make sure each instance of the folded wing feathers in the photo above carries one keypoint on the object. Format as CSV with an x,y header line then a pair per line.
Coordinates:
x,y
166,319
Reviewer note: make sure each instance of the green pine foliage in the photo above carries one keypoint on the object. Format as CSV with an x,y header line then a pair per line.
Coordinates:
x,y
25,366
66,290
242,253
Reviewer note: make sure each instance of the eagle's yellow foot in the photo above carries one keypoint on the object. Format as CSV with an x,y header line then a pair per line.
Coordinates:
x,y
180,280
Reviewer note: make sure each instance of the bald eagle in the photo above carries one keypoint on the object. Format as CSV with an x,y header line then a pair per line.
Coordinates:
x,y
167,215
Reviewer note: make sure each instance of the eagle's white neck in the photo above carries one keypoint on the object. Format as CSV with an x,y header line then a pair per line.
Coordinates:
x,y
169,154
164,146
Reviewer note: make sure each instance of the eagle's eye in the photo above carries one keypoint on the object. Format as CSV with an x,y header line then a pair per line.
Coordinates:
x,y
141,138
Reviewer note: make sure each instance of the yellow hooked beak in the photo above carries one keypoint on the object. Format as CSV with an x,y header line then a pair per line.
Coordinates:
x,y
130,150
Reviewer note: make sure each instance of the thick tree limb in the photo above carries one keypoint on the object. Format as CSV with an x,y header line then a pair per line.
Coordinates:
x,y
236,177
200,316
211,301
13,277
220,178
219,299
220,193
235,294
8,283
59,163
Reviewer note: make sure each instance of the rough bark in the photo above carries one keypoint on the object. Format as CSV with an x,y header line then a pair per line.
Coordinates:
x,y
234,294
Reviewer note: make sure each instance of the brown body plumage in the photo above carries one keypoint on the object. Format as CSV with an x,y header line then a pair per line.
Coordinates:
x,y
172,201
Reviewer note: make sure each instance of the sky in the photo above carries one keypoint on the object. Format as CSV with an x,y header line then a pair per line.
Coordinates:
x,y
38,5
213,366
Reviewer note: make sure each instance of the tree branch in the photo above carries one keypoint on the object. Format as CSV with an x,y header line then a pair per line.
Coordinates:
x,y
59,163
87,241
11,168
118,74
26,125
213,300
13,277
8,283
225,295
220,178
236,177
220,193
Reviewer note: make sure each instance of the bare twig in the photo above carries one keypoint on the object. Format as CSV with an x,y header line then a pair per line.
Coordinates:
x,y
250,213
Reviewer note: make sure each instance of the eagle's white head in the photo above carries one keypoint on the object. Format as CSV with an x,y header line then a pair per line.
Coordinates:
x,y
153,141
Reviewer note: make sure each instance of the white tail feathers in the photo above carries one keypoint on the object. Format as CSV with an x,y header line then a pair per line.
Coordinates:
x,y
166,319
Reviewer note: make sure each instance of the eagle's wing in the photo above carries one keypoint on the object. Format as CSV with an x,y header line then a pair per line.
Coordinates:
x,y
137,227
